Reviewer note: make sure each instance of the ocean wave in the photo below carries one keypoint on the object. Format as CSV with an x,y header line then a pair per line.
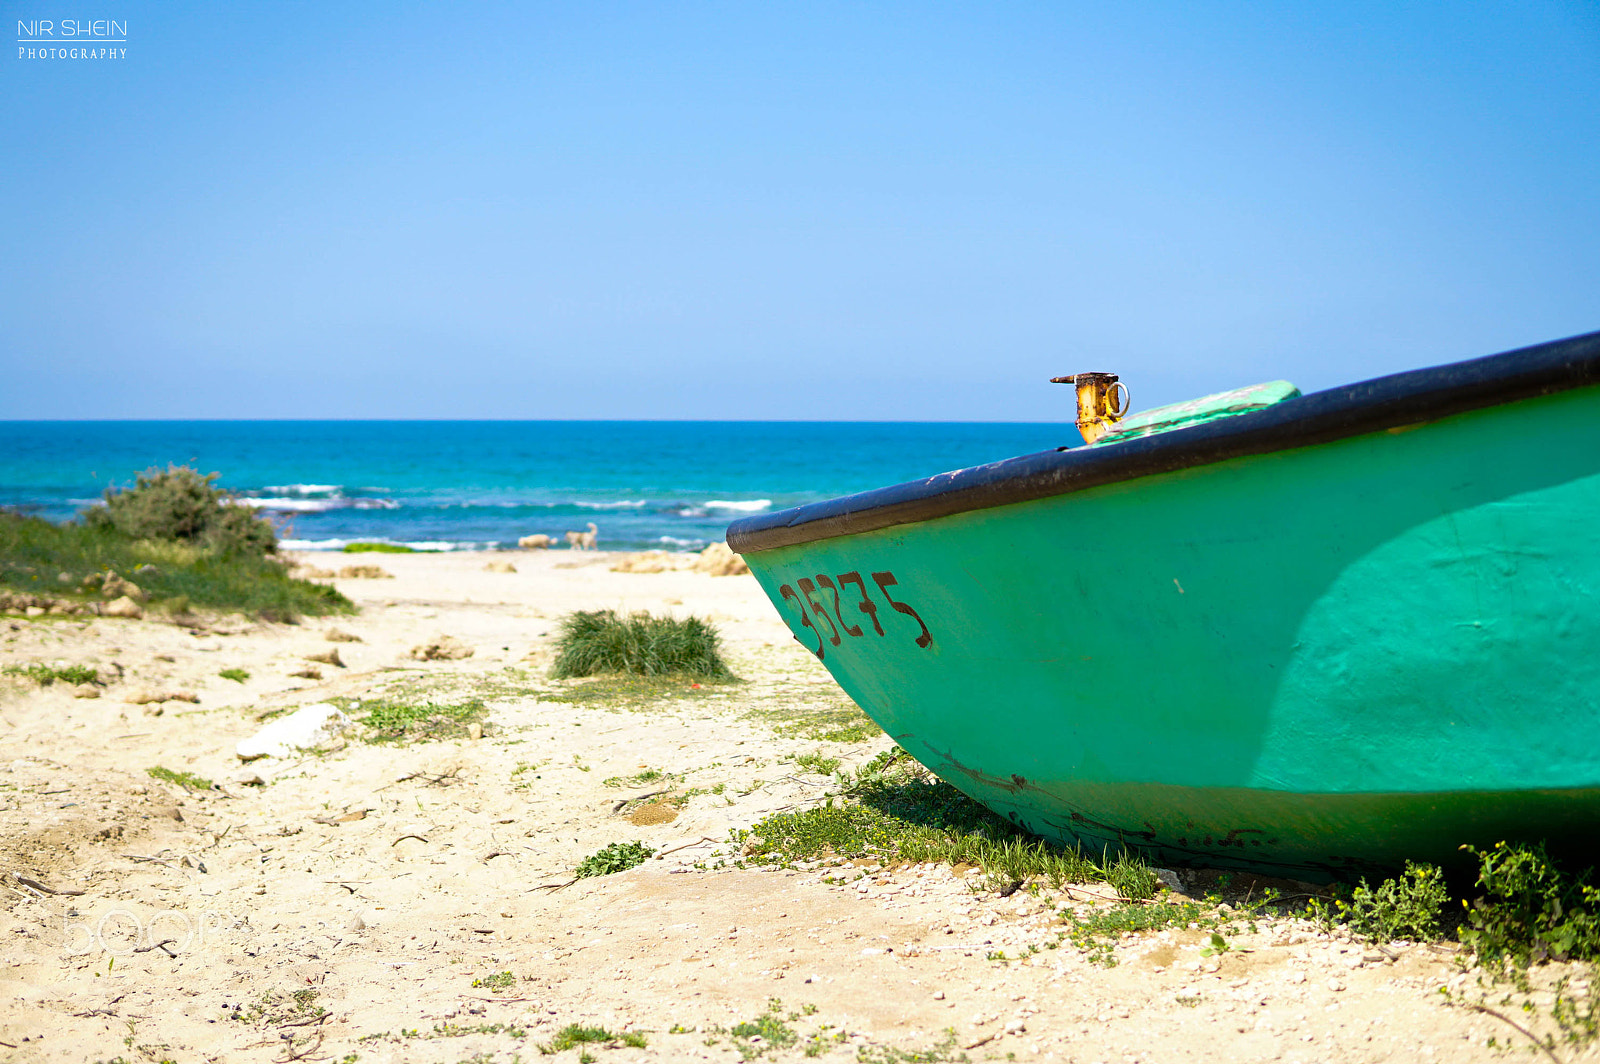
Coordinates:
x,y
687,544
284,504
623,504
303,490
313,544
748,506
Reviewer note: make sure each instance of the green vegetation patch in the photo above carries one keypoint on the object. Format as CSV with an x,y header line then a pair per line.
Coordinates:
x,y
818,762
182,779
1408,907
839,721
1096,933
599,641
391,721
574,1035
177,575
236,675
1530,910
498,981
767,1033
377,548
895,810
944,1052
617,857
45,675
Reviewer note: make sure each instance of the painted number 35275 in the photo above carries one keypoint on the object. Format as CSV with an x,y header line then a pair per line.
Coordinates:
x,y
846,594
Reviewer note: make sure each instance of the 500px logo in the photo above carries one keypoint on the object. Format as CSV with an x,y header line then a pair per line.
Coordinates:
x,y
122,932
72,39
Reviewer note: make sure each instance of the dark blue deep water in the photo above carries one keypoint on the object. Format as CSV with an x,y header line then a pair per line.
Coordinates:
x,y
477,484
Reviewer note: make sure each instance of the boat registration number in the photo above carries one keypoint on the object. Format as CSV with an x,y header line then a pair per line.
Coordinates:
x,y
848,596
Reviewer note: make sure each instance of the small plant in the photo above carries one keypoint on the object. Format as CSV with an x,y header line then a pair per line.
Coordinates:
x,y
818,762
1530,910
1408,907
377,548
1132,877
236,675
45,675
574,1035
187,780
599,641
1217,947
617,857
765,1033
498,981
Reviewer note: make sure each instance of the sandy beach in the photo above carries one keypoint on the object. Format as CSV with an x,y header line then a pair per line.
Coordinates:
x,y
415,900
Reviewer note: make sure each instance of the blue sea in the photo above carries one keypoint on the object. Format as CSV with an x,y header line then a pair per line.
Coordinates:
x,y
462,485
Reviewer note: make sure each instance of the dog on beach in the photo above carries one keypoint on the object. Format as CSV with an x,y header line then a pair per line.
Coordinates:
x,y
539,541
584,540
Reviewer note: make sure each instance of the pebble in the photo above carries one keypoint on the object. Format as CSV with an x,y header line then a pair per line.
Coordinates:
x,y
1335,985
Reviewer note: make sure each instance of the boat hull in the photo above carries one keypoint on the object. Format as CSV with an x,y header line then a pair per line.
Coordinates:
x,y
1317,661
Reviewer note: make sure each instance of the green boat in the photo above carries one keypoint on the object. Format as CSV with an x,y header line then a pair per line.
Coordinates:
x,y
1308,635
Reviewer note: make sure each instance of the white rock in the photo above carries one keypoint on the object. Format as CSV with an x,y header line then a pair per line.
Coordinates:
x,y
307,727
1169,879
121,607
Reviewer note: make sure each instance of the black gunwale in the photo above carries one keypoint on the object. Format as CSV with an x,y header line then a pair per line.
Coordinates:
x,y
1349,410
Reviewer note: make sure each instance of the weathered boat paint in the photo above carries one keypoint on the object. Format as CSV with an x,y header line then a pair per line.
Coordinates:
x,y
1315,660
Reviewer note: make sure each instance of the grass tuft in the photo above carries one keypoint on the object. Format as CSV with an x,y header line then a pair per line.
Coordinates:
x,y
378,548
599,641
236,675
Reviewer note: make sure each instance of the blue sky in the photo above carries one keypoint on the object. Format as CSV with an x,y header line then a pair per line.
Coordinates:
x,y
767,211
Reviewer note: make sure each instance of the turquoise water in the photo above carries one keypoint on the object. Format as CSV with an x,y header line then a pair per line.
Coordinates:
x,y
475,484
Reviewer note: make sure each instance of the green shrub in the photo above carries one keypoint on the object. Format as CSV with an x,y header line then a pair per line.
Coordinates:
x,y
236,675
599,641
377,548
617,857
1530,910
179,503
1408,907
